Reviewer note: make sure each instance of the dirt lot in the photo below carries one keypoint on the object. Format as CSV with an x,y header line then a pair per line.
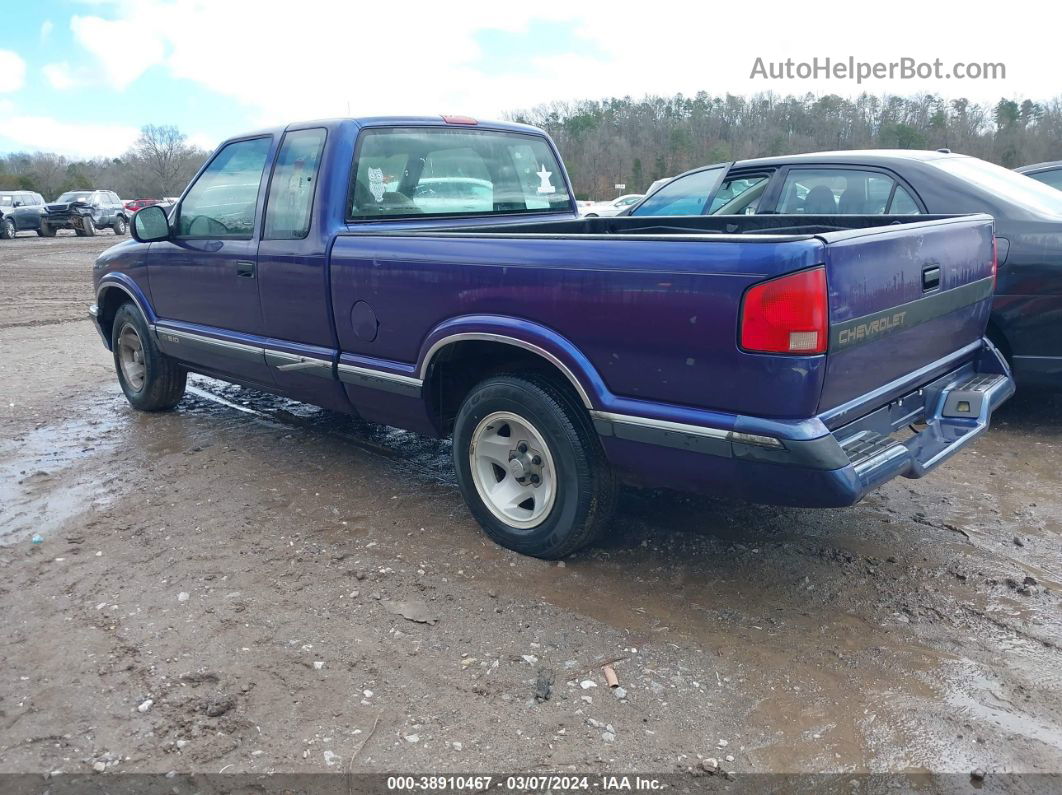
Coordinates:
x,y
217,590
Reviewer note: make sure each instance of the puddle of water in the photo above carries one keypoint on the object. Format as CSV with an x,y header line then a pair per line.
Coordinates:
x,y
41,481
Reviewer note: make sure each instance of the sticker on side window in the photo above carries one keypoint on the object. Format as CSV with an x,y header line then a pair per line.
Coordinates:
x,y
376,183
544,185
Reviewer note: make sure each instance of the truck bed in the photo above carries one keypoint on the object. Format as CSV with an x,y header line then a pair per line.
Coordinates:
x,y
653,304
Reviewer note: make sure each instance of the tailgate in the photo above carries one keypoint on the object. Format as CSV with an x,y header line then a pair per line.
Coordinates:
x,y
902,299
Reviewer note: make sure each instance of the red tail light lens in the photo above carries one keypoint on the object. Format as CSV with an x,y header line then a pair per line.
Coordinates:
x,y
786,315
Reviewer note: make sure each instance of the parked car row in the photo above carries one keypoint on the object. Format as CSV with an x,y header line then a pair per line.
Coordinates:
x,y
84,211
1026,320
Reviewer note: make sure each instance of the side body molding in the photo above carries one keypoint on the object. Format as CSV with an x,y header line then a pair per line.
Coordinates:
x,y
534,337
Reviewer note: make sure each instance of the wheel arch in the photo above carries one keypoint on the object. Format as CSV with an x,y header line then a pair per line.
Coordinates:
x,y
112,294
460,354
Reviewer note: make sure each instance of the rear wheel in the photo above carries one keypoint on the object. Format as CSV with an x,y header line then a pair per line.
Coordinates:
x,y
119,226
7,228
530,466
150,380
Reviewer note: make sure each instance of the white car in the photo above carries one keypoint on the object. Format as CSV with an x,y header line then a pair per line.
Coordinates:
x,y
614,207
658,184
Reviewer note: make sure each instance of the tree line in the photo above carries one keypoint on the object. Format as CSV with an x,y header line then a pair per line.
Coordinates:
x,y
633,142
628,141
160,163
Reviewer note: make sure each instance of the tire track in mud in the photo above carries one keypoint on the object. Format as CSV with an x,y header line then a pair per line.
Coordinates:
x,y
403,450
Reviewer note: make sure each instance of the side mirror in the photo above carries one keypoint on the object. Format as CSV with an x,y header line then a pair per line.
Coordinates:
x,y
150,224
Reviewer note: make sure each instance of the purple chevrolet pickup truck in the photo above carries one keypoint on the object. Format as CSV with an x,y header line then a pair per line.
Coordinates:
x,y
433,274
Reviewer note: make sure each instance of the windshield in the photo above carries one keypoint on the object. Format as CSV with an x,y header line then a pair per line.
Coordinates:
x,y
434,171
75,195
686,195
1004,183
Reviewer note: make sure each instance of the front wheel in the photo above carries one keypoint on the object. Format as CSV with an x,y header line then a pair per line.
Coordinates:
x,y
45,230
7,228
530,466
150,380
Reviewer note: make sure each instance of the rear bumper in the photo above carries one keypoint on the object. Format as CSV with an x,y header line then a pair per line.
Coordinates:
x,y
835,469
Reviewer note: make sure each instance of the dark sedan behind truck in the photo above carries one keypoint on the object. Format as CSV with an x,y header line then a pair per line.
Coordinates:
x,y
1026,322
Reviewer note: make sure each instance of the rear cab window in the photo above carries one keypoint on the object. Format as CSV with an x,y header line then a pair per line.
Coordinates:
x,y
404,172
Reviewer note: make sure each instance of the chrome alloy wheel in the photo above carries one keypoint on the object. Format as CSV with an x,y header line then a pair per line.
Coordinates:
x,y
131,357
512,469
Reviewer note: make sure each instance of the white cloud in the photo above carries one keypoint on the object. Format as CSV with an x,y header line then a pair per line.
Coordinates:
x,y
60,76
41,133
125,49
319,57
202,141
12,71
46,29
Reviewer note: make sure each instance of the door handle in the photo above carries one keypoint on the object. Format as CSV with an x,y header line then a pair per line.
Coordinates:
x,y
301,364
930,278
245,268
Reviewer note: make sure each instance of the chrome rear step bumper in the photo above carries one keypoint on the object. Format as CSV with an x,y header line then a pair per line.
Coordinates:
x,y
954,409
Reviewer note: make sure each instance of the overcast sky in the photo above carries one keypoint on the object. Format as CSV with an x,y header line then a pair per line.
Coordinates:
x,y
81,76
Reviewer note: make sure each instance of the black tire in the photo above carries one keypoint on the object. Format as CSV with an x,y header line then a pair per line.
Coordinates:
x,y
163,380
7,228
120,227
585,485
88,228
591,215
44,230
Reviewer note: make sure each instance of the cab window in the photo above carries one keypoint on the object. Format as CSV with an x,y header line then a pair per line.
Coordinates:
x,y
292,186
221,203
440,171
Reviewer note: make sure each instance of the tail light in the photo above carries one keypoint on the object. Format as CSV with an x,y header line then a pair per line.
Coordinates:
x,y
786,315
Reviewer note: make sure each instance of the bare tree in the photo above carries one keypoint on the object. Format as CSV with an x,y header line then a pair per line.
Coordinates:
x,y
161,161
48,173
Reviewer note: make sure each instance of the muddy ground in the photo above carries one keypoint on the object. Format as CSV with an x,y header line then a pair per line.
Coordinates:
x,y
217,587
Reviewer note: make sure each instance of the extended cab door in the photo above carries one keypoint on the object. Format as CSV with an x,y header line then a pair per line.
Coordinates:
x,y
204,280
293,274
